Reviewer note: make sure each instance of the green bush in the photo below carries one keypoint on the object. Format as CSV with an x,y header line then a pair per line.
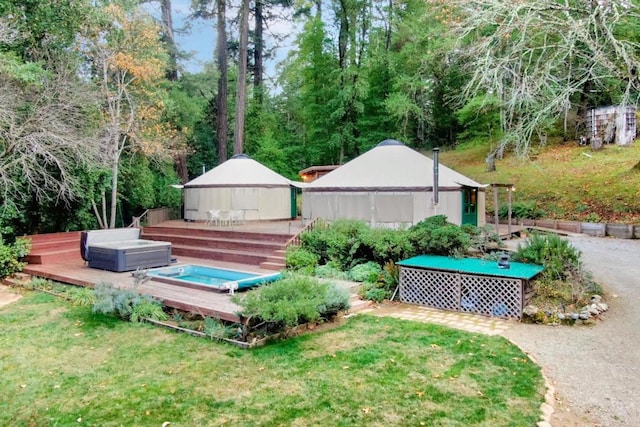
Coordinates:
x,y
84,297
11,256
436,236
384,287
147,308
330,271
301,260
292,300
124,303
217,329
340,242
368,272
522,210
483,239
556,254
384,244
371,292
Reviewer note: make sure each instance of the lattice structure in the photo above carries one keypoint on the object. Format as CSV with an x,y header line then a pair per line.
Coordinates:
x,y
428,287
488,295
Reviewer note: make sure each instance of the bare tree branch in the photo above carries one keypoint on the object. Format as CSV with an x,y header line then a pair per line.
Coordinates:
x,y
538,56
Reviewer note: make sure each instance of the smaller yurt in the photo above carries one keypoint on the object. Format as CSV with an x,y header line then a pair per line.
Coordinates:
x,y
393,185
240,183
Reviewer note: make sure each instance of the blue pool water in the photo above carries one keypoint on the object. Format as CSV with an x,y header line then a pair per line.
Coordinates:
x,y
210,278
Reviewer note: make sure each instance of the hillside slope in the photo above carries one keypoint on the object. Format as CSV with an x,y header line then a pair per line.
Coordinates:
x,y
564,181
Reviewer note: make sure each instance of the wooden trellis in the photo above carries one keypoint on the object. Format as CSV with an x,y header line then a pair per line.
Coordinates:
x,y
487,295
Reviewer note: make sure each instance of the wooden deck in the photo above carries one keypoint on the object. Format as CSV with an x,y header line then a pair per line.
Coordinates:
x,y
73,270
207,303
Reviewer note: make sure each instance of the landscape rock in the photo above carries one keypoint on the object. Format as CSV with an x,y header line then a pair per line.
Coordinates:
x,y
530,310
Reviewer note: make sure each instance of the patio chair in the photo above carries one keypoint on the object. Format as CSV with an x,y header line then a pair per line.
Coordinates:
x,y
213,217
236,216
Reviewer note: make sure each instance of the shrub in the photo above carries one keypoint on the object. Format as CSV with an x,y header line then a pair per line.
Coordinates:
x,y
482,239
435,235
330,271
123,303
216,329
301,260
557,255
11,256
384,287
340,242
372,292
384,244
84,297
522,210
292,300
147,308
368,272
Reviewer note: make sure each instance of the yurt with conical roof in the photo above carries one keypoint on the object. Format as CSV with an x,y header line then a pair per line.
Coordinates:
x,y
240,183
393,185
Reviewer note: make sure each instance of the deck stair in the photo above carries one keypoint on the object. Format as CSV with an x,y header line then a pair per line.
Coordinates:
x,y
54,248
265,250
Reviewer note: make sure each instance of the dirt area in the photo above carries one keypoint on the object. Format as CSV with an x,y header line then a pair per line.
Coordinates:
x,y
7,296
595,369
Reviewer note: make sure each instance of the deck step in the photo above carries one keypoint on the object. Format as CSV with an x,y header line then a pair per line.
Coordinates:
x,y
227,255
63,256
237,243
270,265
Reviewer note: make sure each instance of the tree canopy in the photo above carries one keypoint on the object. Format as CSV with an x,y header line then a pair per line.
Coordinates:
x,y
98,114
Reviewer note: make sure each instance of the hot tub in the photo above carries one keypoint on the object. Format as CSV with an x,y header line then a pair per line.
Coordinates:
x,y
128,255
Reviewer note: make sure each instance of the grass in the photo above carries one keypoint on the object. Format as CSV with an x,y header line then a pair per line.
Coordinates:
x,y
566,181
62,365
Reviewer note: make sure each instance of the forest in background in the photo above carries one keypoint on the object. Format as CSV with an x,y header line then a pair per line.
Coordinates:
x,y
98,117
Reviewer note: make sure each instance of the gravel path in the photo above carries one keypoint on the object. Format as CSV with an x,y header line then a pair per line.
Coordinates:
x,y
595,370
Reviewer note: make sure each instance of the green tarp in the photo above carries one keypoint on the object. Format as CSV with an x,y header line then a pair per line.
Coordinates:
x,y
517,270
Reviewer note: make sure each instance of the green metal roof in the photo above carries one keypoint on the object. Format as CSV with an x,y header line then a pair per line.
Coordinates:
x,y
517,270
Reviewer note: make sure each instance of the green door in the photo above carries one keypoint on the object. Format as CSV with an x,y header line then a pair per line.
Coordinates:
x,y
470,206
294,205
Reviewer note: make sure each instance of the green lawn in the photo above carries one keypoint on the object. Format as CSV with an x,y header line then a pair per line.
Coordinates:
x,y
63,366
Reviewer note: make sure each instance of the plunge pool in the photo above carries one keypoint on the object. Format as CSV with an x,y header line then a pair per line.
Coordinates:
x,y
210,278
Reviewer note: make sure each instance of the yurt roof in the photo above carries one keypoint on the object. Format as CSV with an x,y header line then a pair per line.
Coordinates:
x,y
239,171
390,166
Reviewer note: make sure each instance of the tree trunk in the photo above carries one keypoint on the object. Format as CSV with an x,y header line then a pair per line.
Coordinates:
x,y
114,194
241,96
221,98
258,52
172,49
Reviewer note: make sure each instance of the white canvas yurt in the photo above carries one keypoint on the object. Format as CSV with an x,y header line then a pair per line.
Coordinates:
x,y
392,185
240,183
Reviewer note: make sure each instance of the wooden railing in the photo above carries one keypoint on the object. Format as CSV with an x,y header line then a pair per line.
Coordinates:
x,y
315,223
153,217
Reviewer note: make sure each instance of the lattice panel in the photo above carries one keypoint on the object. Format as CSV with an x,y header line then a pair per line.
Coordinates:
x,y
493,296
488,295
431,288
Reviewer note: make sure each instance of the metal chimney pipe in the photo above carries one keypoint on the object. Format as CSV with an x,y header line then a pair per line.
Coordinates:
x,y
436,196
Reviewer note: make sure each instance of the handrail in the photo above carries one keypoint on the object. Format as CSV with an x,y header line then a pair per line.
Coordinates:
x,y
295,240
136,220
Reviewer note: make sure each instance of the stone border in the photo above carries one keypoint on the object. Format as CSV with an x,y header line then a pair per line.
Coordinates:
x,y
547,408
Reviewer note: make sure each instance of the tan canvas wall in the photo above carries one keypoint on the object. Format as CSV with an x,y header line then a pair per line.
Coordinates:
x,y
387,209
257,202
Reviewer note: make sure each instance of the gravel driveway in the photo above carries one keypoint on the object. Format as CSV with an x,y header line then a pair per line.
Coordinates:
x,y
595,370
